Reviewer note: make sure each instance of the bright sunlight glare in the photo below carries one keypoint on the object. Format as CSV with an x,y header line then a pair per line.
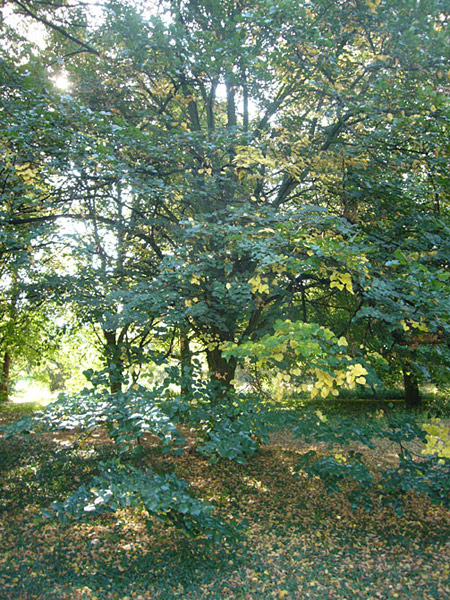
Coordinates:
x,y
62,82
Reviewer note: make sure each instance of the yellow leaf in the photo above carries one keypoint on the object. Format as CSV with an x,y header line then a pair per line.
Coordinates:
x,y
279,356
283,594
258,285
342,341
341,280
358,370
321,416
340,378
347,281
23,167
255,283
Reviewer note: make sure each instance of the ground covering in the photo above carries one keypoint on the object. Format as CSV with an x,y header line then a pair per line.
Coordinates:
x,y
298,541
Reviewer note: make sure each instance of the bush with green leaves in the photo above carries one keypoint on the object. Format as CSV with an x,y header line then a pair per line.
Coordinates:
x,y
424,474
164,496
337,469
429,476
126,415
232,428
438,405
231,425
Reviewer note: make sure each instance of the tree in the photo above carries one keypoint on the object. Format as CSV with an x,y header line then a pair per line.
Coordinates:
x,y
211,110
246,175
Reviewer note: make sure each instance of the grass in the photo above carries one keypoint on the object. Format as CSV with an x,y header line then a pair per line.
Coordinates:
x,y
299,542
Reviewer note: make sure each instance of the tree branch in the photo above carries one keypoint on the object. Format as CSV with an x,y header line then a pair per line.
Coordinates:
x,y
58,28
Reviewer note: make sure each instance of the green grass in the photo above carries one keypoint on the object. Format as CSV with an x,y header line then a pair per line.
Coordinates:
x,y
10,410
299,542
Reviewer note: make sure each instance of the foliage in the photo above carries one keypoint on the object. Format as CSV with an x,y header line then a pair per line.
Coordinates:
x,y
314,425
438,405
425,476
232,428
229,429
438,438
262,184
304,350
428,478
299,540
309,189
126,416
336,470
118,486
230,425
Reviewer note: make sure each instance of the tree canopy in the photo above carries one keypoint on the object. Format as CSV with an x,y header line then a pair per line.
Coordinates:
x,y
227,188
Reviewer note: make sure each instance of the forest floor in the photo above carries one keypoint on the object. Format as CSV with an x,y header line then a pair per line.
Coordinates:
x,y
299,542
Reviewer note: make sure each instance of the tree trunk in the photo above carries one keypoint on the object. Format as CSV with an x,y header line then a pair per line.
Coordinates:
x,y
221,370
5,377
186,366
411,385
114,361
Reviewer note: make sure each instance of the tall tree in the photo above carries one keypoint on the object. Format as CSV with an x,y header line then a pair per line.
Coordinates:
x,y
219,120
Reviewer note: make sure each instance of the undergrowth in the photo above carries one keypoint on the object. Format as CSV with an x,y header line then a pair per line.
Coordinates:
x,y
298,542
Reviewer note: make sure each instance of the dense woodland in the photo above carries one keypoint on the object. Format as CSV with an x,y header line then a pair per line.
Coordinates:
x,y
222,217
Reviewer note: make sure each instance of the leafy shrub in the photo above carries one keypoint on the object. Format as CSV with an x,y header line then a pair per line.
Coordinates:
x,y
334,470
424,475
233,428
315,426
430,477
231,425
367,393
164,496
126,415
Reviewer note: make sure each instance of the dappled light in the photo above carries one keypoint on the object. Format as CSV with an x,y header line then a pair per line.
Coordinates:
x,y
224,299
